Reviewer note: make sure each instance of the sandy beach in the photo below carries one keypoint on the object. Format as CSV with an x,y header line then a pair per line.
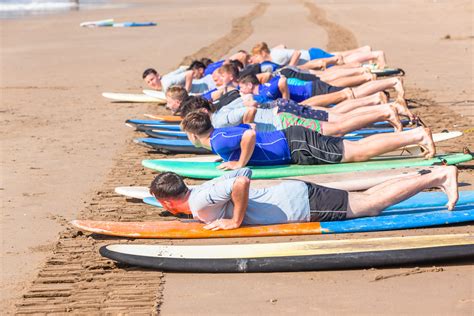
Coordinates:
x,y
65,147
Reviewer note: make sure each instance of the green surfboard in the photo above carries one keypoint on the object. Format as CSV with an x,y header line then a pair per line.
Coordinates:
x,y
208,170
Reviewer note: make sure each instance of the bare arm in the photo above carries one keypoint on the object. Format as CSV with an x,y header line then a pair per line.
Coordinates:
x,y
189,80
240,199
295,57
247,145
283,87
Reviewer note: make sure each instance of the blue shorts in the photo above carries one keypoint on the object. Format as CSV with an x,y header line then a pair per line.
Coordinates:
x,y
289,106
317,53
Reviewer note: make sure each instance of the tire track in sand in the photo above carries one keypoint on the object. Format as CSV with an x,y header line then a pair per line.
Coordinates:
x,y
75,278
241,29
339,37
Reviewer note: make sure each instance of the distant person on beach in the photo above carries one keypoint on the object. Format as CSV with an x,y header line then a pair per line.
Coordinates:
x,y
228,202
241,145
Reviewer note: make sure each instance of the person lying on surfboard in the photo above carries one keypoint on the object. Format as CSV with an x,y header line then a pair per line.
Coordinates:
x,y
241,145
276,118
228,202
317,93
175,95
189,79
315,57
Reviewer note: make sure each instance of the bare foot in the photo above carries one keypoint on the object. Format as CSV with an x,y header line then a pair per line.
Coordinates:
x,y
382,98
427,143
402,108
394,119
450,185
399,88
381,60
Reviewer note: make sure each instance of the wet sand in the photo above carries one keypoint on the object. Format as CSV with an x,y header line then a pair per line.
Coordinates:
x,y
65,147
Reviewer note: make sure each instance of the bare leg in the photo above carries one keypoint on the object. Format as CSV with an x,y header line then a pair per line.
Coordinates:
x,y
328,76
378,86
362,57
376,145
363,49
351,123
373,201
330,98
352,81
351,105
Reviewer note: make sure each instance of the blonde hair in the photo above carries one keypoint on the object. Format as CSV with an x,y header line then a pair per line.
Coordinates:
x,y
177,93
260,48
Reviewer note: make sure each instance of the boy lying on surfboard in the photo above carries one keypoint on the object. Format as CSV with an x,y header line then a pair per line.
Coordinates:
x,y
242,145
228,202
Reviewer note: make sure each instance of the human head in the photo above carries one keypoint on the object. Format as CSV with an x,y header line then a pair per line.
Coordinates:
x,y
175,95
243,56
193,103
171,191
197,125
197,68
206,61
229,73
248,83
152,78
260,53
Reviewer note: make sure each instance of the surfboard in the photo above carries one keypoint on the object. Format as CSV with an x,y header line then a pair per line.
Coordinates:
x,y
171,146
130,97
351,181
186,229
294,256
106,22
155,94
388,72
208,170
134,123
165,118
133,24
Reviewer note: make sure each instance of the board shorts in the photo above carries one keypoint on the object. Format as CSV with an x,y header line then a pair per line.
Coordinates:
x,y
308,147
327,204
288,119
318,53
290,72
305,111
321,87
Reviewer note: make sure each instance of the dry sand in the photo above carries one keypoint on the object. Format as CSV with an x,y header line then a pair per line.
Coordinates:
x,y
64,148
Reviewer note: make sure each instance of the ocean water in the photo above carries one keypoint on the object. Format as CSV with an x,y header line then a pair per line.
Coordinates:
x,y
24,8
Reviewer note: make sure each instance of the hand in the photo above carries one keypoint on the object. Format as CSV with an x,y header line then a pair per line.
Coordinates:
x,y
222,224
230,165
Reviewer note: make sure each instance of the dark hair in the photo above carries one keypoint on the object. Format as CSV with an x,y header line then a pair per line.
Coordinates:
x,y
206,61
196,64
230,69
149,71
236,63
193,103
197,122
168,185
249,79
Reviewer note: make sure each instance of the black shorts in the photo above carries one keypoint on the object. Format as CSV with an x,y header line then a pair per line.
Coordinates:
x,y
290,72
321,87
308,147
327,204
289,106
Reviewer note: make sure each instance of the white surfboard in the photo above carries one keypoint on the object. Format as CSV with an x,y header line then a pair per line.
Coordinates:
x,y
107,22
134,192
131,97
155,94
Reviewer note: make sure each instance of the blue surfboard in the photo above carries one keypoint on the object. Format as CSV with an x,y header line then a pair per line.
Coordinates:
x,y
423,200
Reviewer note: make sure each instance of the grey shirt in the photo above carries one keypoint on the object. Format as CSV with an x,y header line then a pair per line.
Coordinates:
x,y
283,203
282,56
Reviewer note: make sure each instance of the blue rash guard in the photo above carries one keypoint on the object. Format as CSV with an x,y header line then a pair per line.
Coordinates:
x,y
269,66
271,91
270,148
212,67
208,94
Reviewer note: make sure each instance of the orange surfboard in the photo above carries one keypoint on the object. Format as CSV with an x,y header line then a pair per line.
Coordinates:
x,y
190,229
164,118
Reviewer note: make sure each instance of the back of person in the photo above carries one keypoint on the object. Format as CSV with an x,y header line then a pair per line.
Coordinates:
x,y
202,85
270,90
270,149
176,78
300,91
212,200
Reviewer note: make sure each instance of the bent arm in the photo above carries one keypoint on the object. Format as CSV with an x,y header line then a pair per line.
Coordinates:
x,y
247,145
189,80
283,86
240,199
295,57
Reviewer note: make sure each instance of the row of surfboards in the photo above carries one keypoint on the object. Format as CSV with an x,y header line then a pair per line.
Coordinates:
x,y
423,210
